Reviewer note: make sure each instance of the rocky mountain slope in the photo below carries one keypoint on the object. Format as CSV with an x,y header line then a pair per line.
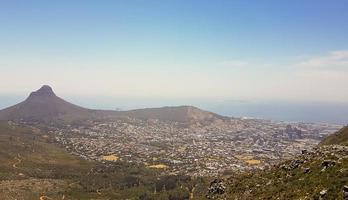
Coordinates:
x,y
340,137
318,174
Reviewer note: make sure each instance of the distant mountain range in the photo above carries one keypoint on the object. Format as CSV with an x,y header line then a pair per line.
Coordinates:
x,y
43,105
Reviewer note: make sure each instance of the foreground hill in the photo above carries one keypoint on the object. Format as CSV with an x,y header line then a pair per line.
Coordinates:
x,y
321,174
318,174
29,160
44,106
340,137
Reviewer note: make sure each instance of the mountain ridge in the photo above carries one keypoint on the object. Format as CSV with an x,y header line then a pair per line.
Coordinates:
x,y
44,105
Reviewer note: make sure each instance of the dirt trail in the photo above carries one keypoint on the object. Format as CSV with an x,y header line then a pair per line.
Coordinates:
x,y
191,191
17,162
44,198
71,184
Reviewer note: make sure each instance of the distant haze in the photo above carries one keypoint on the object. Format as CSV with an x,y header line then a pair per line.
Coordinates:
x,y
276,110
288,111
136,53
269,51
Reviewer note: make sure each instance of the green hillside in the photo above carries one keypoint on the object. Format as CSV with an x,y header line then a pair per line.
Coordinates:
x,y
31,166
340,138
324,170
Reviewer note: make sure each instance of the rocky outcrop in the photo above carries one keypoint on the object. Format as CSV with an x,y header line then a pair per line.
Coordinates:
x,y
345,192
319,173
323,194
216,189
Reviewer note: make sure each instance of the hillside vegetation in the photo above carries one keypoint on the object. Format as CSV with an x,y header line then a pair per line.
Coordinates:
x,y
30,166
340,137
318,174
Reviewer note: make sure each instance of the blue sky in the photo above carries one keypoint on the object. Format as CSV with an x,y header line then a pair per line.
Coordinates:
x,y
173,49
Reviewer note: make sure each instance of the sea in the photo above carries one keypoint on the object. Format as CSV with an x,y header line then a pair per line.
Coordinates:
x,y
316,112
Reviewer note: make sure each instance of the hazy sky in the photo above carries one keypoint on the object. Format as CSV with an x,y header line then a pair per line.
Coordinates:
x,y
258,50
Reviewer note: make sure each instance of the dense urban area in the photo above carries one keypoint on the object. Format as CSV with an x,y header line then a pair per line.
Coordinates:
x,y
236,144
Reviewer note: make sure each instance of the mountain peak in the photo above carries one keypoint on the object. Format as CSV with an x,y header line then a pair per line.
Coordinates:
x,y
45,90
44,105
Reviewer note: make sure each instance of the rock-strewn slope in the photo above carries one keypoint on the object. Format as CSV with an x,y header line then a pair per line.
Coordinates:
x,y
340,137
320,174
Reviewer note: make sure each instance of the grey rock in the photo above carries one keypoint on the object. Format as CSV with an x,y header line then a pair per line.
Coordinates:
x,y
304,151
307,170
216,188
322,194
345,192
328,163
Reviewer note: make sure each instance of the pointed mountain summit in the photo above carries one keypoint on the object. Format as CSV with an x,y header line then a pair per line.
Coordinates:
x,y
44,91
44,105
